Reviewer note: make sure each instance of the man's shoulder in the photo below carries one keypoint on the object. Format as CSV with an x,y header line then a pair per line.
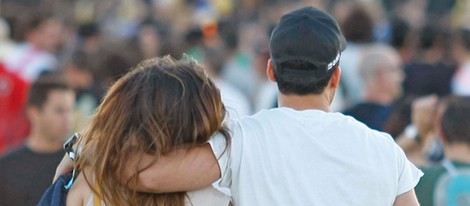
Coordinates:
x,y
13,154
11,161
287,118
291,113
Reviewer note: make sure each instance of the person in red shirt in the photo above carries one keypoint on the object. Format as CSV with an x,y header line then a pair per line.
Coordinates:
x,y
14,126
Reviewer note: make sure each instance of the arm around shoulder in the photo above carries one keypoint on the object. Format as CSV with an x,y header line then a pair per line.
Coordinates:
x,y
180,170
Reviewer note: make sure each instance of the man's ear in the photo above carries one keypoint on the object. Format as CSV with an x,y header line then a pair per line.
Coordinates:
x,y
270,71
334,81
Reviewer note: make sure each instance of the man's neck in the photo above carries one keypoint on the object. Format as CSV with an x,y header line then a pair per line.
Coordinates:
x,y
305,102
42,144
458,152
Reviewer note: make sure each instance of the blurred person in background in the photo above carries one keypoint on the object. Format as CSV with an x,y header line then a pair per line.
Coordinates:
x,y
13,89
114,62
81,76
401,38
83,38
194,43
439,11
236,102
26,62
429,72
26,171
265,96
400,117
7,45
14,125
418,138
451,126
461,49
380,68
89,39
240,59
213,44
358,31
149,40
37,54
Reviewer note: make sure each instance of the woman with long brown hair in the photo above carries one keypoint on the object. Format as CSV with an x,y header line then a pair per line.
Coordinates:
x,y
161,105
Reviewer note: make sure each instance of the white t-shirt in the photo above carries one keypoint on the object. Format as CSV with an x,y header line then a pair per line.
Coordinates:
x,y
287,157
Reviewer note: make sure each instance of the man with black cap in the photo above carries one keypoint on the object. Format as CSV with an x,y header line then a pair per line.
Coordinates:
x,y
300,153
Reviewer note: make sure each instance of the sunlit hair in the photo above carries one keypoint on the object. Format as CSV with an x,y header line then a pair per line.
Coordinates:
x,y
160,105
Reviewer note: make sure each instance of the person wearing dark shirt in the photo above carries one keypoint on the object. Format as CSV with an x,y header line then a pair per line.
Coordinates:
x,y
27,171
380,69
428,73
425,78
374,115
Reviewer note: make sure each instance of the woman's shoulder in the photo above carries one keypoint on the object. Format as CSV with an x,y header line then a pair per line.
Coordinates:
x,y
208,196
80,192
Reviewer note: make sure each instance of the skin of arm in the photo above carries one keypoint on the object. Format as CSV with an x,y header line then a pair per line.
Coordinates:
x,y
80,192
179,170
65,166
406,199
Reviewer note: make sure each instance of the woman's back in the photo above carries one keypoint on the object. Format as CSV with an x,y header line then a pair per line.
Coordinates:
x,y
160,105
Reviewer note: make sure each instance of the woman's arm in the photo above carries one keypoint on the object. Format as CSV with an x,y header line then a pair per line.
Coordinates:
x,y
65,166
80,192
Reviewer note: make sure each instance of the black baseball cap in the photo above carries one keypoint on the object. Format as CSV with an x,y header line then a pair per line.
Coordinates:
x,y
307,34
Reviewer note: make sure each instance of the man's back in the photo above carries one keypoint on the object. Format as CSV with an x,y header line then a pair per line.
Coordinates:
x,y
288,157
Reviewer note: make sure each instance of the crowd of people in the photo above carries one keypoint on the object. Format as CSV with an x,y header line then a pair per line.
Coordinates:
x,y
404,69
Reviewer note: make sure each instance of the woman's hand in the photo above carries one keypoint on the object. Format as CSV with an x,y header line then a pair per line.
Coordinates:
x,y
65,166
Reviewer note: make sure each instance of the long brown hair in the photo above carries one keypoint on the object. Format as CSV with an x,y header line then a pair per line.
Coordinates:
x,y
159,105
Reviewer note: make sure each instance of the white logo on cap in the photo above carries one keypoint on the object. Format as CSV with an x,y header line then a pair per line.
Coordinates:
x,y
334,62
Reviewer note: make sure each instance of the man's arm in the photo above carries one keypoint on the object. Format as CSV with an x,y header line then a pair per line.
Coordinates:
x,y
179,170
406,199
